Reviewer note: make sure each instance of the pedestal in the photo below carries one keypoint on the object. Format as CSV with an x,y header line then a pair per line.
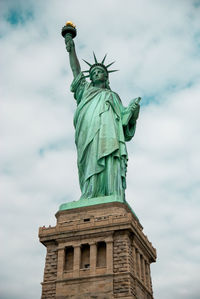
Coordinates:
x,y
97,251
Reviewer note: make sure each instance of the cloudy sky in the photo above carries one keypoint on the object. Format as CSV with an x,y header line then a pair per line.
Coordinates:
x,y
156,45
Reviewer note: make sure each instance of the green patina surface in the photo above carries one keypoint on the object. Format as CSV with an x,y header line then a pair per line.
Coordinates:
x,y
103,125
94,201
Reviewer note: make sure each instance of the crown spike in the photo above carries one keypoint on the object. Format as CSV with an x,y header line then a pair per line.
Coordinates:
x,y
87,62
110,64
104,59
95,59
112,71
101,64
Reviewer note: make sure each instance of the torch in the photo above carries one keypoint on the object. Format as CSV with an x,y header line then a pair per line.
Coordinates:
x,y
70,29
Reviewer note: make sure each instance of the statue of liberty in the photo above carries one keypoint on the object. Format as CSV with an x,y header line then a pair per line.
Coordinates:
x,y
102,126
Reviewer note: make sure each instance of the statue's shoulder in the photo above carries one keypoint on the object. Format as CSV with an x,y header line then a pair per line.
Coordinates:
x,y
116,96
79,82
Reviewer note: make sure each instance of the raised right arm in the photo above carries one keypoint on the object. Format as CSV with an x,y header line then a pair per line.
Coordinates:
x,y
74,62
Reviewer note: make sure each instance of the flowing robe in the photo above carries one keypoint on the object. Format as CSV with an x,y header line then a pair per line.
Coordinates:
x,y
102,126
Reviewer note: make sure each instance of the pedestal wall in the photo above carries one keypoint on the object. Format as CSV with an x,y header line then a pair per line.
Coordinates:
x,y
97,252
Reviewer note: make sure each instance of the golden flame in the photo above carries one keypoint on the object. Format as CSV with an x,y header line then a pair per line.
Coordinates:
x,y
70,24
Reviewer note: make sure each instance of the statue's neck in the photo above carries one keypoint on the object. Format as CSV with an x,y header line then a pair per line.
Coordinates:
x,y
99,84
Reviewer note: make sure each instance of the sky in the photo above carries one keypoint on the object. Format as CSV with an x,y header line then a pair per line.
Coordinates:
x,y
156,46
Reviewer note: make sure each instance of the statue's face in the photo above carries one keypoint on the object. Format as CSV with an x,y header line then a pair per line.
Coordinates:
x,y
98,75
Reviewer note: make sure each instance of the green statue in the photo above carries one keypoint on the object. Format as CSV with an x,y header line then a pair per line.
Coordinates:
x,y
102,125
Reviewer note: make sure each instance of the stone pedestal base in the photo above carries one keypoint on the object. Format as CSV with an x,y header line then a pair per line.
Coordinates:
x,y
97,252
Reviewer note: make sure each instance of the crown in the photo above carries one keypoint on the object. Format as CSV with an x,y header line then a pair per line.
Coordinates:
x,y
101,64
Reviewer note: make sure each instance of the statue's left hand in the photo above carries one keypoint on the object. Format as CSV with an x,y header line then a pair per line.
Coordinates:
x,y
135,108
